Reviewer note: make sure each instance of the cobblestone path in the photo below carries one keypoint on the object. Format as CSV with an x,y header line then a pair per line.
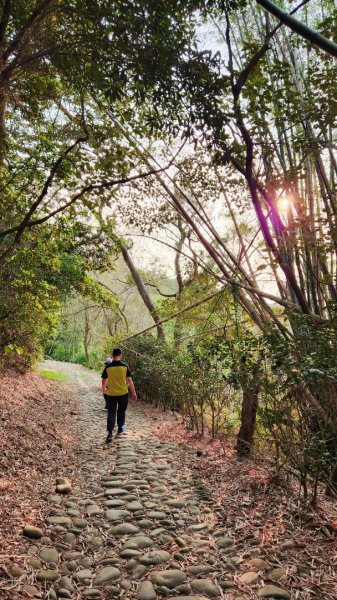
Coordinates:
x,y
140,527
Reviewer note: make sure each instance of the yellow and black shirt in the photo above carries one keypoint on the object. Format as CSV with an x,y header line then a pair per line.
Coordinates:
x,y
116,373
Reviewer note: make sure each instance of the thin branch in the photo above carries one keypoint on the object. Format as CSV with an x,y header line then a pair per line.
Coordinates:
x,y
35,16
89,188
159,292
180,312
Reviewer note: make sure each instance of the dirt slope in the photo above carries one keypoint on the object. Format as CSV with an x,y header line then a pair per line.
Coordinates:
x,y
39,433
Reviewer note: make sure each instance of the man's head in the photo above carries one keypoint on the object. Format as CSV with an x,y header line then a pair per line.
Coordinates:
x,y
116,353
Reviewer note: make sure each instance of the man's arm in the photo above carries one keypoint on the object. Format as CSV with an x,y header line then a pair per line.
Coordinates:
x,y
132,387
104,388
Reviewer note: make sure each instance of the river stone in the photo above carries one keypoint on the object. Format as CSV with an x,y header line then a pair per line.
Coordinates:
x,y
49,555
179,557
125,460
47,575
198,527
170,578
224,542
194,510
69,538
66,583
200,569
184,589
73,512
227,584
123,529
272,591
206,587
63,593
33,533
70,504
258,563
16,571
34,562
54,499
75,530
276,574
157,531
180,542
176,503
116,492
186,598
31,591
149,504
80,523
113,590
92,593
146,591
116,515
156,514
138,542
110,560
106,574
114,502
131,564
134,506
155,557
83,574
129,553
63,488
61,480
139,572
72,555
95,542
249,577
59,520
145,523
93,510
117,483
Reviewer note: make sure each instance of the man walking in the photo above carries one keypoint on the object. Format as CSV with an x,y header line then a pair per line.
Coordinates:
x,y
116,378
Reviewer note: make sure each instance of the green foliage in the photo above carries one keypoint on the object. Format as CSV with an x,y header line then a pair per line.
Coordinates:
x,y
189,380
34,281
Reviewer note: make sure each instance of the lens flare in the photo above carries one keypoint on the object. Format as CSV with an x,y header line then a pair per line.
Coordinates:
x,y
283,204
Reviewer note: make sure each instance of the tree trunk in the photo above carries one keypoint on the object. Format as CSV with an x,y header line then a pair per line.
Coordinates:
x,y
86,337
136,276
331,488
3,143
248,415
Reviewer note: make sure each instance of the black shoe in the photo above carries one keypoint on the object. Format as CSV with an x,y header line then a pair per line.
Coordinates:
x,y
109,438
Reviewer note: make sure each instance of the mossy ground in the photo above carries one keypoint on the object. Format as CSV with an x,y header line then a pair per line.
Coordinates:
x,y
54,376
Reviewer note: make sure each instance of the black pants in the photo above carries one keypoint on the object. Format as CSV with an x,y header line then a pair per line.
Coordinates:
x,y
117,404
